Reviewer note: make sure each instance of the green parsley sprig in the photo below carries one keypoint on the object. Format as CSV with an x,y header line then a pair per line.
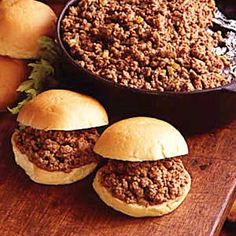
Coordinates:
x,y
42,70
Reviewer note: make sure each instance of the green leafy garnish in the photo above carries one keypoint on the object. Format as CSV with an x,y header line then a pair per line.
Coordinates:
x,y
16,109
43,70
49,50
40,71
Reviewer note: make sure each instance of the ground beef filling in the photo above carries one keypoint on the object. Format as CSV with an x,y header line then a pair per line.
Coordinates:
x,y
58,150
161,45
145,183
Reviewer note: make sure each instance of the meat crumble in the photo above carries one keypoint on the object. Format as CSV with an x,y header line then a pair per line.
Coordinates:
x,y
145,183
58,150
161,45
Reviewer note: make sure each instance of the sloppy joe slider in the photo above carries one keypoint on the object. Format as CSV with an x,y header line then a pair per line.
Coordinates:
x,y
140,179
56,134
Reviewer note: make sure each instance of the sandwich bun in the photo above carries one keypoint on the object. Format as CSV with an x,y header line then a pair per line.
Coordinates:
x,y
141,139
50,178
135,140
22,22
136,210
12,73
62,110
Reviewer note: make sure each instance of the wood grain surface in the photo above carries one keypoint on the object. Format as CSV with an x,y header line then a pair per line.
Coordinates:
x,y
27,208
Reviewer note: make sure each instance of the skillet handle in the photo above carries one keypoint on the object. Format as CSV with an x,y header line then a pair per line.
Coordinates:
x,y
231,88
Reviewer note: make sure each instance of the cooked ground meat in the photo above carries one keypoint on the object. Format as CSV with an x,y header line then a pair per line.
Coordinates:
x,y
160,45
145,183
57,150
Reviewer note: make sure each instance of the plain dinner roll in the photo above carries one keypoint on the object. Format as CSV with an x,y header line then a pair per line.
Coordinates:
x,y
12,73
62,110
22,22
141,139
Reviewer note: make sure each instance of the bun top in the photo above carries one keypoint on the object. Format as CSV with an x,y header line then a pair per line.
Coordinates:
x,y
22,22
141,139
62,110
12,73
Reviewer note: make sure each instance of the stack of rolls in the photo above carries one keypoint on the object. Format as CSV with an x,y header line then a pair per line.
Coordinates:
x,y
22,22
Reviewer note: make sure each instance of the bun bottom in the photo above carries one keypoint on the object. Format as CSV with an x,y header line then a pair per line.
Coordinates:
x,y
136,210
47,177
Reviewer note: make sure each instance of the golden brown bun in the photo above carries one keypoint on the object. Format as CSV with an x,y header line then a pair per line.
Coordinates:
x,y
62,110
12,74
232,215
136,210
22,22
141,139
46,177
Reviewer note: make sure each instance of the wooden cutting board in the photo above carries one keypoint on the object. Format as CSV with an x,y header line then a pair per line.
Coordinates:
x,y
27,208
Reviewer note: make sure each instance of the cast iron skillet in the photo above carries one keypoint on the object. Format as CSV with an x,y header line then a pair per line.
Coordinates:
x,y
195,111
